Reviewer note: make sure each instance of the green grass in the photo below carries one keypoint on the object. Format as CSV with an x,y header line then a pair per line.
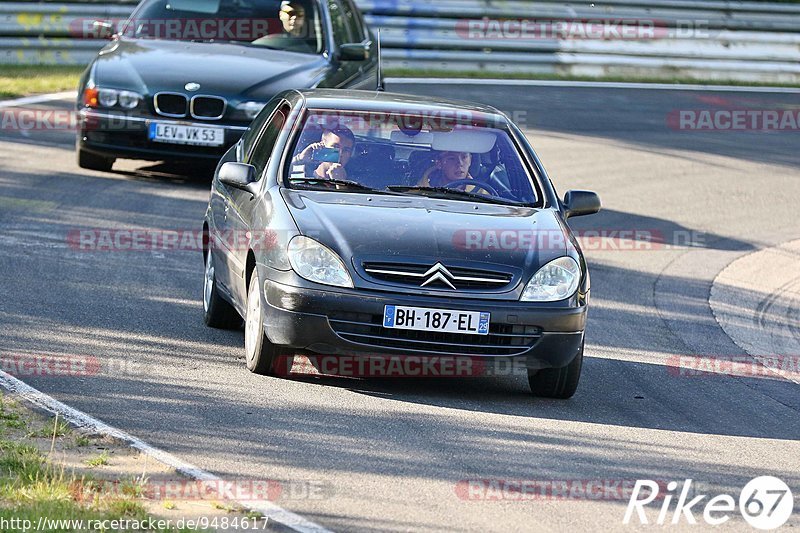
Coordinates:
x,y
481,74
17,81
10,419
31,487
58,426
134,487
100,460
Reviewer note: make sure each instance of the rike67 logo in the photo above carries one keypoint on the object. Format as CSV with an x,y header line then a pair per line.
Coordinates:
x,y
766,503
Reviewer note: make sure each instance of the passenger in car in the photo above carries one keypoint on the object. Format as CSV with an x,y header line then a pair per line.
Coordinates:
x,y
447,168
340,139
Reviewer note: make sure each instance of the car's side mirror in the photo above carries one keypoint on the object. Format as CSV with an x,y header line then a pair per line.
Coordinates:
x,y
239,176
103,29
354,51
579,203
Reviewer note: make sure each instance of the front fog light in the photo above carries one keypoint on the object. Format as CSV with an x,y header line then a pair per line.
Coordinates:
x,y
315,262
557,280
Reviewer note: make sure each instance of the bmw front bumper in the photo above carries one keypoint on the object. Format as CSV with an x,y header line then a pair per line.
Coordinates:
x,y
121,136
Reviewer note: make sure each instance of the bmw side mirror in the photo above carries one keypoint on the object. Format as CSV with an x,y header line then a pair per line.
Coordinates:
x,y
354,51
239,176
580,203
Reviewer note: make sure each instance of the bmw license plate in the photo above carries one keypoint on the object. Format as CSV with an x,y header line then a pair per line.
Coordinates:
x,y
192,135
442,320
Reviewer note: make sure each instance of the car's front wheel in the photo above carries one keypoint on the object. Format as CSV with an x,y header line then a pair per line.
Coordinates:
x,y
260,353
218,312
559,383
92,161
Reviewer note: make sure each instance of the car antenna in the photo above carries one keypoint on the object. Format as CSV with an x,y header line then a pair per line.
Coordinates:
x,y
381,86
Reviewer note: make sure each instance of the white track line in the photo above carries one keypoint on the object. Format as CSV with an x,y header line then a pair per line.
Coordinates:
x,y
39,99
80,419
593,85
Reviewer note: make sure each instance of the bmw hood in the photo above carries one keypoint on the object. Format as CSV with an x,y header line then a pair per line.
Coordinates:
x,y
150,66
392,228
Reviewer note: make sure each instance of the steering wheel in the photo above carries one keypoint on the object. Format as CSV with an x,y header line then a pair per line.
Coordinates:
x,y
475,183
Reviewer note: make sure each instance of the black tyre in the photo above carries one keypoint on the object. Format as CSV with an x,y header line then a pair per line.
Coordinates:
x,y
260,353
92,161
560,383
218,312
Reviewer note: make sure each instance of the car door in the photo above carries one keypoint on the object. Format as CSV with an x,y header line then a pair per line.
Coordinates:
x,y
242,204
224,243
345,31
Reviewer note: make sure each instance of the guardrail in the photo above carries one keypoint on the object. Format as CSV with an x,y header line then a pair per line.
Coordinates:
x,y
747,41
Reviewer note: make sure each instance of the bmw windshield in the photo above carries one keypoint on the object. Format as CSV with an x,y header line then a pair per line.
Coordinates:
x,y
291,25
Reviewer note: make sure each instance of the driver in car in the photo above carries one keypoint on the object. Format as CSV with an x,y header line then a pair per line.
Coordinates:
x,y
448,168
296,34
339,139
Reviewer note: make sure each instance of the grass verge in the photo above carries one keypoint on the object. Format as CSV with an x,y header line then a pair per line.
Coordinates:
x,y
17,81
32,485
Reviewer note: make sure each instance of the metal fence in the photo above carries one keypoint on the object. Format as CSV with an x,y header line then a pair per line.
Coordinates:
x,y
748,41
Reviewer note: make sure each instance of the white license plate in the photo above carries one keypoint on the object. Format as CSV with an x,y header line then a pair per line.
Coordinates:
x,y
192,135
443,320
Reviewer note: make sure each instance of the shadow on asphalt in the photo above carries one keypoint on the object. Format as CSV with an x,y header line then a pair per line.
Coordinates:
x,y
655,234
187,173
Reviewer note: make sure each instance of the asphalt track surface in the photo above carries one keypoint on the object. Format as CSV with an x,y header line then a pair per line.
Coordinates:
x,y
391,453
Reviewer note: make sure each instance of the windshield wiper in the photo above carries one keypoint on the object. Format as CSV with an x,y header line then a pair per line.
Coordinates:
x,y
448,192
346,183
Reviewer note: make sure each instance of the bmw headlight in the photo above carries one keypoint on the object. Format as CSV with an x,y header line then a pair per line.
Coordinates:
x,y
108,97
315,262
251,109
111,98
557,280
128,99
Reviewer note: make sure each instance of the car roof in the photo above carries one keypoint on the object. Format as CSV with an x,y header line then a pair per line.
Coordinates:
x,y
374,101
